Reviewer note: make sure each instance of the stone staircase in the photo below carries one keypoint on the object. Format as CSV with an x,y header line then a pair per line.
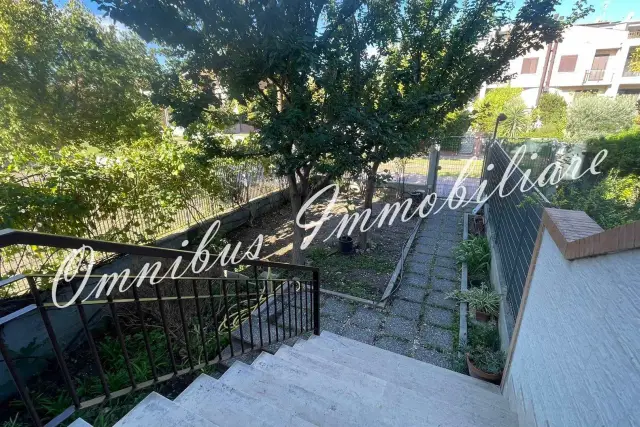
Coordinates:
x,y
329,380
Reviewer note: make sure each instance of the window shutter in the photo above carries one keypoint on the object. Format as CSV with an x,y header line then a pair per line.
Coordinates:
x,y
568,63
529,66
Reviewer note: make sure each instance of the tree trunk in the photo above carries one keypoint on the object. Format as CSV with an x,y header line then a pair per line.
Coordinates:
x,y
369,191
297,199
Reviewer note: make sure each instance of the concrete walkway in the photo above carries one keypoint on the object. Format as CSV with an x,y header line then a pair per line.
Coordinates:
x,y
418,322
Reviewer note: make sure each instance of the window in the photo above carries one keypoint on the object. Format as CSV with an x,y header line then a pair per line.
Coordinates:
x,y
529,66
568,63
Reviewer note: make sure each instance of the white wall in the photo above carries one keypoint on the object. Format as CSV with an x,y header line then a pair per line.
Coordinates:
x,y
583,42
577,356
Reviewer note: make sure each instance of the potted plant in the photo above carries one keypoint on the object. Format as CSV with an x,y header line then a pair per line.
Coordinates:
x,y
477,255
486,364
346,244
478,228
483,300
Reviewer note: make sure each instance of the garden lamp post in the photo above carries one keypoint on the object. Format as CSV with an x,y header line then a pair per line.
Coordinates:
x,y
501,118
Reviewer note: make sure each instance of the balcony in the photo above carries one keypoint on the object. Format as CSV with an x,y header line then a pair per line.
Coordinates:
x,y
634,34
597,76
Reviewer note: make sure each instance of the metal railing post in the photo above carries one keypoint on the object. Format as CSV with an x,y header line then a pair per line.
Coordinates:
x,y
54,341
20,385
316,302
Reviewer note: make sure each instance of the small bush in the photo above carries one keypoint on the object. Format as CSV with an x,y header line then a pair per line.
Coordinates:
x,y
623,151
484,335
488,108
611,201
487,360
593,116
481,299
477,254
552,112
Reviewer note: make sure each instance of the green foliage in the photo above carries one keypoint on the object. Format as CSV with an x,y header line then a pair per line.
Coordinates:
x,y
456,123
301,72
13,422
66,79
611,201
518,119
634,63
485,335
488,360
552,113
82,152
50,401
623,151
131,195
592,116
477,254
481,299
489,108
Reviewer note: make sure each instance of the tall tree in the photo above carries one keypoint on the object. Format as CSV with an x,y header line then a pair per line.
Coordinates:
x,y
267,56
298,70
431,59
66,78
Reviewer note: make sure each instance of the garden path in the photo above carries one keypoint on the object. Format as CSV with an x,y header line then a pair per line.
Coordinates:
x,y
419,321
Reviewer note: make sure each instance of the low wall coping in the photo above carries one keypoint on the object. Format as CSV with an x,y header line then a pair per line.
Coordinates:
x,y
578,236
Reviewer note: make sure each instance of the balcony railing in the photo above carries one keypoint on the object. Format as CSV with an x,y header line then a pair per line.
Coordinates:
x,y
629,73
594,76
634,34
156,330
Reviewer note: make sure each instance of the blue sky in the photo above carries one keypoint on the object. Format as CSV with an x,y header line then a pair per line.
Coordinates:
x,y
615,11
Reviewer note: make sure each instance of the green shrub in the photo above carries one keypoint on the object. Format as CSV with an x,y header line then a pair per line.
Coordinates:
x,y
593,116
488,360
488,108
456,123
477,254
518,119
623,151
552,113
481,299
612,201
484,335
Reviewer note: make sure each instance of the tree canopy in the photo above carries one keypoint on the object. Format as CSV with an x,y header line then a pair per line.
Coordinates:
x,y
82,150
489,108
325,81
593,116
67,79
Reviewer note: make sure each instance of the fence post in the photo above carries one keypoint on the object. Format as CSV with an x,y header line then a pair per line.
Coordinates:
x,y
316,302
432,174
487,156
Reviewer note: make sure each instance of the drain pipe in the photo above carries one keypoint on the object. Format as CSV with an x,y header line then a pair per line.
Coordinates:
x,y
554,51
544,72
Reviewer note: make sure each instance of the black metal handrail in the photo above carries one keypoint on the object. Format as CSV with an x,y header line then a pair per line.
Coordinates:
x,y
9,237
217,317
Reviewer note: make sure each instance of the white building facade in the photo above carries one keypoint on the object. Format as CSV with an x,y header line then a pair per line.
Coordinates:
x,y
590,58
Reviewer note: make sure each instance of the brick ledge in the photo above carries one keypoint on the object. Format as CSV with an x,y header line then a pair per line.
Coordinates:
x,y
578,236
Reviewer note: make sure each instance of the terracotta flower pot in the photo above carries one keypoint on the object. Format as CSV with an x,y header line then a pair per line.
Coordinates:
x,y
482,375
476,282
481,316
478,225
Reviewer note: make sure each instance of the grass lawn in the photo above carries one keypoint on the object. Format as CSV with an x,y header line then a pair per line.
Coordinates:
x,y
448,167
